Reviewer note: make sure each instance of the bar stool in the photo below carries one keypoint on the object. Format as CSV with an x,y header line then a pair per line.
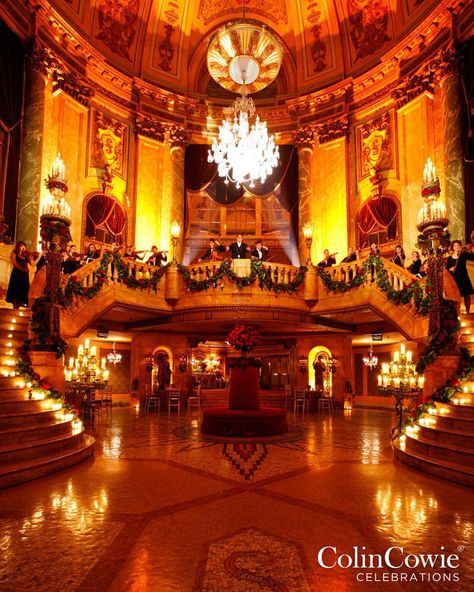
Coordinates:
x,y
326,403
195,401
174,400
301,401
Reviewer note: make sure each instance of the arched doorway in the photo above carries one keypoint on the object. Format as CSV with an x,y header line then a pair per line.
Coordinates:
x,y
319,350
162,371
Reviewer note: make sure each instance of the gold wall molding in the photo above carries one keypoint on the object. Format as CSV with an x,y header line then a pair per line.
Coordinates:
x,y
333,129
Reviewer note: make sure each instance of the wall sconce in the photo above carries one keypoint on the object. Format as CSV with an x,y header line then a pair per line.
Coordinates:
x,y
308,238
149,361
303,365
175,232
183,362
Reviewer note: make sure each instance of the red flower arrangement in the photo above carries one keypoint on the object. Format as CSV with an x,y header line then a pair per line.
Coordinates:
x,y
244,338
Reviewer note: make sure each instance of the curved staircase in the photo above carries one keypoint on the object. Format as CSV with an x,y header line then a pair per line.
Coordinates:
x,y
442,442
36,437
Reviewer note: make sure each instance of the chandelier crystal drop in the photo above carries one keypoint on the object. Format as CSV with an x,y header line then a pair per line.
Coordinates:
x,y
114,357
244,153
370,361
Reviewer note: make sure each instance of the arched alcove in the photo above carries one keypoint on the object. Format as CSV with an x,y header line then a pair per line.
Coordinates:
x,y
312,357
104,220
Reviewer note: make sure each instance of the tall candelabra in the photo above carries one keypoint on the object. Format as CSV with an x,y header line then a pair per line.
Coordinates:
x,y
434,239
86,368
55,221
400,380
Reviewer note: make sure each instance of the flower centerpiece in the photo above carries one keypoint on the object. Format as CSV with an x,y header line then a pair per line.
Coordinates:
x,y
244,390
244,338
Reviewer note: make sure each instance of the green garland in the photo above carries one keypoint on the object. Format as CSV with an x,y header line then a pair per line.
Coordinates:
x,y
258,272
444,341
374,264
40,327
447,392
35,382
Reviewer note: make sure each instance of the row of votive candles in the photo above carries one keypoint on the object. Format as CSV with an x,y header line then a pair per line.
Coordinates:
x,y
54,207
414,381
82,361
101,375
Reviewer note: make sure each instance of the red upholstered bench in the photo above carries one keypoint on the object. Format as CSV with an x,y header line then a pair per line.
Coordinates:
x,y
266,421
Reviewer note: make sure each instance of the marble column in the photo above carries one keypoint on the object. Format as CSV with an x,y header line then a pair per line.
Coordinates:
x,y
32,148
177,194
305,189
452,100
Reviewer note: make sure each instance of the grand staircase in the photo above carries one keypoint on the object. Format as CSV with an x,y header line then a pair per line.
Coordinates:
x,y
442,443
36,436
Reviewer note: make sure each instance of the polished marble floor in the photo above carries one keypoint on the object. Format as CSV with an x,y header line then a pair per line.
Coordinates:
x,y
160,510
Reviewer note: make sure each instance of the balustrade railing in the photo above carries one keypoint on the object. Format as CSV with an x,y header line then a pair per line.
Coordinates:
x,y
278,272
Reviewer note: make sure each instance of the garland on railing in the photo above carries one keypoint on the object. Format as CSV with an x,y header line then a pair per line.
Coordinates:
x,y
258,271
447,392
74,288
374,265
34,382
445,340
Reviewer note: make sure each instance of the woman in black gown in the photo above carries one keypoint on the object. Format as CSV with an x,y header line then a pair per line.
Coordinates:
x,y
400,256
19,285
415,266
456,264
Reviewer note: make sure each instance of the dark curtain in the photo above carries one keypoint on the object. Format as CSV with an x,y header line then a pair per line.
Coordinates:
x,y
380,212
104,211
467,51
12,55
199,175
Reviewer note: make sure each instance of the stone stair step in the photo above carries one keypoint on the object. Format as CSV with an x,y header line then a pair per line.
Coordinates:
x,y
18,453
440,451
28,433
457,411
32,469
23,406
17,394
450,422
443,469
457,438
11,382
22,419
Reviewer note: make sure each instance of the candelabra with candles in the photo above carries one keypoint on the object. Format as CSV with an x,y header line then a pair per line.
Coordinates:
x,y
434,239
400,380
55,221
86,369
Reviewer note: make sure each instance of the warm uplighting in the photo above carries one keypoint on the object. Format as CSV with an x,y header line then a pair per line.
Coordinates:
x,y
175,232
308,237
370,361
54,204
114,357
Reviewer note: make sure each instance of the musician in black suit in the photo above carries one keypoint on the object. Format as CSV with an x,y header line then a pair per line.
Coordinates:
x,y
212,253
260,251
329,260
238,250
157,258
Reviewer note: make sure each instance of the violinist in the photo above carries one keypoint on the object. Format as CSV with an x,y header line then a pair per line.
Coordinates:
x,y
72,260
19,284
456,265
213,252
415,265
260,252
329,260
399,258
132,253
157,258
92,253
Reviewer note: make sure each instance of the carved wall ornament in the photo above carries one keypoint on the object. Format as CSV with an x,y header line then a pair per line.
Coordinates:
x,y
413,86
210,10
178,136
41,59
368,22
304,137
332,129
318,50
375,145
150,128
117,25
70,83
109,140
166,49
446,63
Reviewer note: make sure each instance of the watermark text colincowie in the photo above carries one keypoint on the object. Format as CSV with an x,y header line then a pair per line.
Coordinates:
x,y
394,565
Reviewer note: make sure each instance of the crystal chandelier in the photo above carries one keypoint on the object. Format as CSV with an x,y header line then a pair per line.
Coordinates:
x,y
244,57
114,357
370,361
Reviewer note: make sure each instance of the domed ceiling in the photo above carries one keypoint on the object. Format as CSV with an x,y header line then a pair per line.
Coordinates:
x,y
165,41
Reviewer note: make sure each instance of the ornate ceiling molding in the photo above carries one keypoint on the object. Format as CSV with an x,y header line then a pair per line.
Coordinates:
x,y
73,85
41,59
150,127
304,137
413,86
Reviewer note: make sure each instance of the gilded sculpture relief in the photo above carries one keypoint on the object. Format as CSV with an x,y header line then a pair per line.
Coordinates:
x,y
375,145
368,25
117,23
210,10
168,36
109,142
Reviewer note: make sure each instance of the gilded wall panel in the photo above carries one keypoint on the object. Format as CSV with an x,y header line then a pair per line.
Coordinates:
x,y
108,143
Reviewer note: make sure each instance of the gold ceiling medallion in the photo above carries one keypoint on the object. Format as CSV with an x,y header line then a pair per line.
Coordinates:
x,y
244,51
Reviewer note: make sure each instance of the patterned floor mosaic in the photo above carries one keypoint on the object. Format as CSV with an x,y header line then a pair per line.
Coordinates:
x,y
161,510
